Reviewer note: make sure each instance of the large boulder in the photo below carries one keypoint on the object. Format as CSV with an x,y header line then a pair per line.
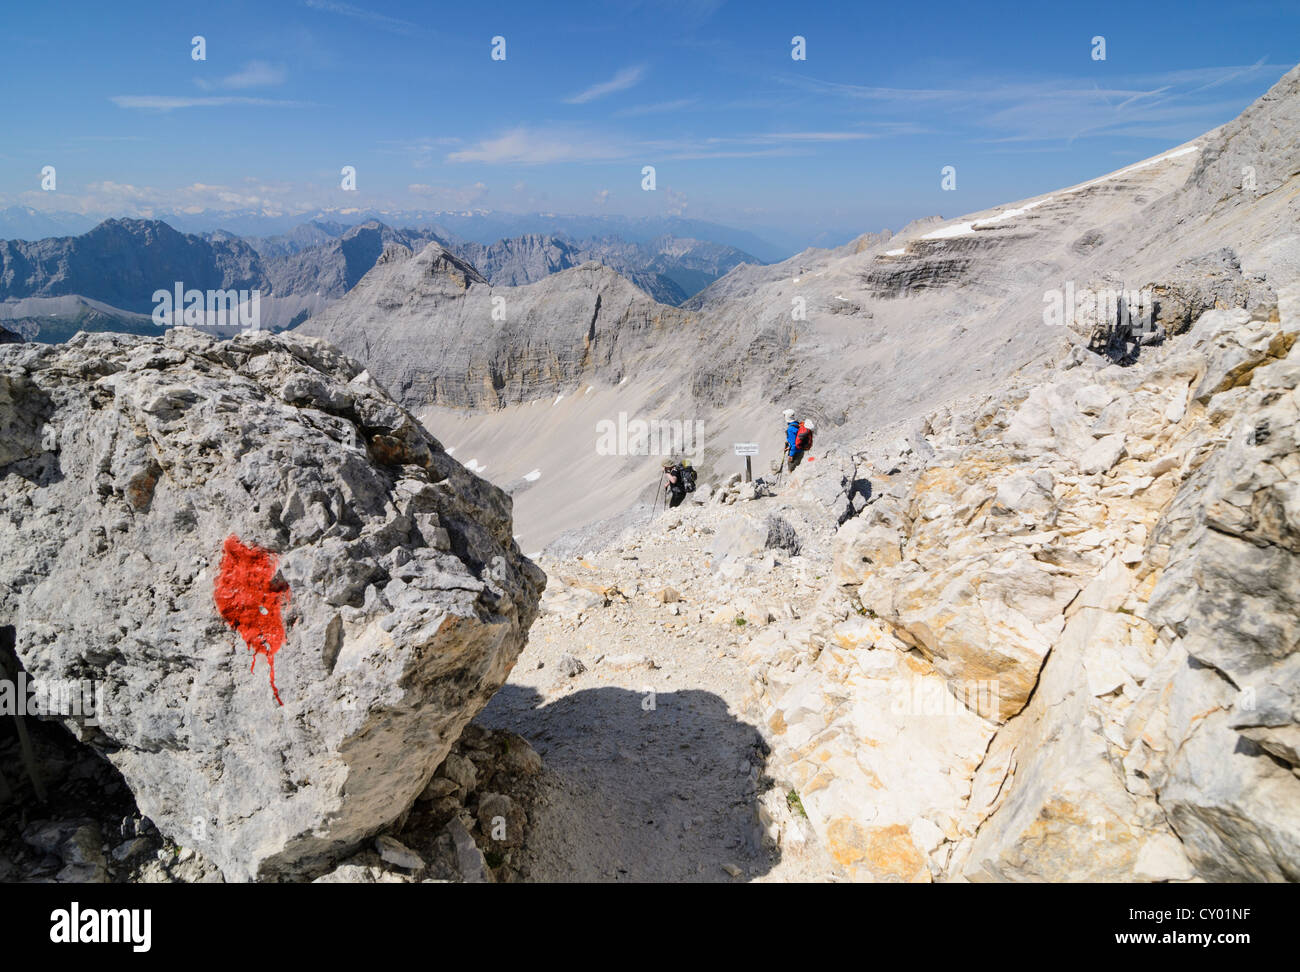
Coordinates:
x,y
289,595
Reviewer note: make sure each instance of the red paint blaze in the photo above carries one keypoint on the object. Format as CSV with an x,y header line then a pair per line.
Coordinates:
x,y
249,599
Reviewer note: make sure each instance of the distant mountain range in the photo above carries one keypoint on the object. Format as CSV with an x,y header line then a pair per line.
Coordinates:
x,y
121,262
668,268
25,223
105,278
477,225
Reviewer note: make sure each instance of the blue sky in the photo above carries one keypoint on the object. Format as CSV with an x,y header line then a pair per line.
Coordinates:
x,y
851,139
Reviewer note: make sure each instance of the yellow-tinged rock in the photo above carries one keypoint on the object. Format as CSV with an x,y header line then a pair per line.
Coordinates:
x,y
876,853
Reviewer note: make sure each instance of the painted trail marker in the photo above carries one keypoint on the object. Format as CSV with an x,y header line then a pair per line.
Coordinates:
x,y
748,450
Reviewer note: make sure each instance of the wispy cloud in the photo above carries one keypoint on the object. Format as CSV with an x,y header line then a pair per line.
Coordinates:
x,y
1062,108
662,107
525,146
382,21
108,138
621,81
420,150
455,197
814,136
687,154
169,102
254,74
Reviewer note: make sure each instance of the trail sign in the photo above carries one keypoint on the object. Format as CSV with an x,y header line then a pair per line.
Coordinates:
x,y
747,449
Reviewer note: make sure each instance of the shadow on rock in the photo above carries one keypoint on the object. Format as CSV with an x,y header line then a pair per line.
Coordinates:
x,y
641,786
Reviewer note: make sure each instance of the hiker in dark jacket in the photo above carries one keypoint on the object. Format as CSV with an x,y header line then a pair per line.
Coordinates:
x,y
803,440
674,483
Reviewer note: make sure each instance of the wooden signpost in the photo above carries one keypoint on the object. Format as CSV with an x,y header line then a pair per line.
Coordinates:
x,y
748,450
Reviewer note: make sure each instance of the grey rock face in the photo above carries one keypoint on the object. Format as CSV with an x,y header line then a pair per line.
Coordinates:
x,y
123,261
126,469
332,267
1230,589
435,332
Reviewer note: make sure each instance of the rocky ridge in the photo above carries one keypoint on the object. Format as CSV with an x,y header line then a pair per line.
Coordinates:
x,y
1061,647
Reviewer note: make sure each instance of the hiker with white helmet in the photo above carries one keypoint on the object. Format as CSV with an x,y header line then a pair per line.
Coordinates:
x,y
791,429
800,443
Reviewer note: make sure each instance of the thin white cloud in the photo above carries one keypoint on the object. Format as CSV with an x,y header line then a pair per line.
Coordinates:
x,y
621,81
1057,108
815,136
382,21
254,74
688,154
456,197
168,102
421,150
524,146
662,107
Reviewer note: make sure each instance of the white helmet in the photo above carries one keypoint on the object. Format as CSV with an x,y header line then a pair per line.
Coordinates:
x,y
809,426
788,413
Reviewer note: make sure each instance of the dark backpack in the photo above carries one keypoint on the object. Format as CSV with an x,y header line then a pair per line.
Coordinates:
x,y
687,475
803,440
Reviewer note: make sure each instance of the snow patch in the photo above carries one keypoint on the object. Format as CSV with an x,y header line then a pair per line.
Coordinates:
x,y
1135,166
533,476
962,229
474,467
